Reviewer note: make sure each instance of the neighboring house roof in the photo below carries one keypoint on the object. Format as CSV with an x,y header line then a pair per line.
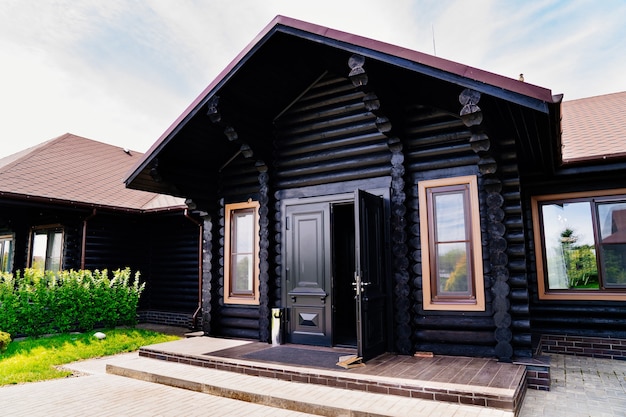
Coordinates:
x,y
594,128
74,170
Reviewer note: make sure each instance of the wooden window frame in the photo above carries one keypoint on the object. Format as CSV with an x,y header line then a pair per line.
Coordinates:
x,y
544,293
476,301
53,228
229,296
6,254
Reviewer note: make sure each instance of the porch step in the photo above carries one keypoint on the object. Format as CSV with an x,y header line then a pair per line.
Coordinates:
x,y
307,398
482,384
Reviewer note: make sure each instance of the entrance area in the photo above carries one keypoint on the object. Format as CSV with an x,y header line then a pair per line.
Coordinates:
x,y
335,276
344,303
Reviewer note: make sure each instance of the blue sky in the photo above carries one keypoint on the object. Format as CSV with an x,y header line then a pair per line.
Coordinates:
x,y
122,71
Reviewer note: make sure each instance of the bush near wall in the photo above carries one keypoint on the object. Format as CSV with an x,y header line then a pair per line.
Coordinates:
x,y
33,303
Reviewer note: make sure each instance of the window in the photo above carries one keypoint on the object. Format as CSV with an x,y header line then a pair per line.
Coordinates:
x,y
6,253
582,250
47,249
452,277
241,248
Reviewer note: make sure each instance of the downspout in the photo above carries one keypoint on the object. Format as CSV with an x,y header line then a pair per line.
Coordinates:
x,y
194,317
83,246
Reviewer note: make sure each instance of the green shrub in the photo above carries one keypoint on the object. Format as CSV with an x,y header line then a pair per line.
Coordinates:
x,y
35,302
5,339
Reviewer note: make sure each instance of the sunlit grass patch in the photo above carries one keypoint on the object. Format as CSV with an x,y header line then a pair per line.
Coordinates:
x,y
35,359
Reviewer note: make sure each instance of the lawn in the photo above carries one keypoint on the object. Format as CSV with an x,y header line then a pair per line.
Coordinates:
x,y
35,359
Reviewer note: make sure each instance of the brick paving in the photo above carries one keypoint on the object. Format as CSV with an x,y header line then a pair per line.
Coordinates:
x,y
100,394
580,387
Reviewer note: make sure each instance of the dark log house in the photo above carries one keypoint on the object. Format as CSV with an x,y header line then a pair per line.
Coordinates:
x,y
63,205
393,201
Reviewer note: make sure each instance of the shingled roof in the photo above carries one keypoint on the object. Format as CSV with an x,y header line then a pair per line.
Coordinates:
x,y
594,128
75,170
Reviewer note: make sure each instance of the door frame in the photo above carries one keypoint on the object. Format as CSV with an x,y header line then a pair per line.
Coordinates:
x,y
341,198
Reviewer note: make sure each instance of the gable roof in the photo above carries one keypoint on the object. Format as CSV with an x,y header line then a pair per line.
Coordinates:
x,y
594,128
75,170
286,58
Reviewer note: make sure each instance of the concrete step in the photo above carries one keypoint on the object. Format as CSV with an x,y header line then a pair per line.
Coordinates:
x,y
307,398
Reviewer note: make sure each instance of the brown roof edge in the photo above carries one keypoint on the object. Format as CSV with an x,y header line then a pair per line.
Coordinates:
x,y
442,65
83,205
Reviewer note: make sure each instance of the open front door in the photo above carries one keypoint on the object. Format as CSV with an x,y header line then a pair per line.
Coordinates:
x,y
369,282
308,274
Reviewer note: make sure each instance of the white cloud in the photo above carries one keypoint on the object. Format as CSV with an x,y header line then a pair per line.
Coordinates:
x,y
122,72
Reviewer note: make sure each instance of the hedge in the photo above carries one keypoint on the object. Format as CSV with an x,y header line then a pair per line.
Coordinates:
x,y
33,303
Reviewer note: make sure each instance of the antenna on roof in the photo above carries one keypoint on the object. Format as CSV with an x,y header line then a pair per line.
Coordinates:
x,y
434,46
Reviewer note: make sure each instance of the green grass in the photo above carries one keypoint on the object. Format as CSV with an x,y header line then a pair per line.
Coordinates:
x,y
35,359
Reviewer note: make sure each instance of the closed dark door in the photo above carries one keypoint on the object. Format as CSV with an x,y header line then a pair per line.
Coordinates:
x,y
308,274
370,284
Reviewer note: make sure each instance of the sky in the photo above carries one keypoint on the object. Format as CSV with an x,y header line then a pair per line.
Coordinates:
x,y
121,72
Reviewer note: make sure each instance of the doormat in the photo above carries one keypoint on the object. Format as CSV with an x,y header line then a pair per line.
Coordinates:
x,y
297,356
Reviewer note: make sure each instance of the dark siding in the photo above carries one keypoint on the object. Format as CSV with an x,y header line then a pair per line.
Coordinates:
x,y
172,274
238,182
437,146
163,248
574,318
328,136
516,247
112,243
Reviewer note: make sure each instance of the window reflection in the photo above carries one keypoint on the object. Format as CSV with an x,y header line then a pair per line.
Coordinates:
x,y
612,220
569,244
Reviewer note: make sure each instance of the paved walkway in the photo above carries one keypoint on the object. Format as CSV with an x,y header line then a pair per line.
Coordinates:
x,y
99,394
580,387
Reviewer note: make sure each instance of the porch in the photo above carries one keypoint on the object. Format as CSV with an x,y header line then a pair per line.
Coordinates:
x,y
457,380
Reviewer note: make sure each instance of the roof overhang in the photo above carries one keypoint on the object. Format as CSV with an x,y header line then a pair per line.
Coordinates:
x,y
286,58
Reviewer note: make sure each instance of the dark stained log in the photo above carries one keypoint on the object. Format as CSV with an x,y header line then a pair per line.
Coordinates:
x,y
521,324
522,339
428,153
239,333
516,251
422,166
327,178
326,154
264,243
456,137
487,166
518,280
336,164
239,323
519,294
520,309
340,126
454,322
350,103
453,349
473,337
471,114
480,143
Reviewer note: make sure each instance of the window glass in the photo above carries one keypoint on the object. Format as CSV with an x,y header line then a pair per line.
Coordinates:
x,y
242,256
581,245
6,253
569,246
451,245
612,220
452,272
47,249
241,253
